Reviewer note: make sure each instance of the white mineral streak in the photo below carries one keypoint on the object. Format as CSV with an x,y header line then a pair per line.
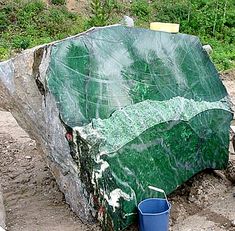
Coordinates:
x,y
104,165
97,173
177,108
114,196
129,214
149,114
84,134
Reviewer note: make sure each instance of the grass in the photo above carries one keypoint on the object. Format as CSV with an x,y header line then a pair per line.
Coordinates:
x,y
25,23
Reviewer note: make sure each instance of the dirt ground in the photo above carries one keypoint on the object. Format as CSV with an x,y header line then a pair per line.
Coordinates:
x,y
79,6
34,203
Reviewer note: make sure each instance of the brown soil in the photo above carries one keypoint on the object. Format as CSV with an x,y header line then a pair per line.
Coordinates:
x,y
79,6
228,78
34,203
32,199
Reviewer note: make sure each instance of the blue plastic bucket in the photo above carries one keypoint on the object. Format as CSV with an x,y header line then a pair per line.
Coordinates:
x,y
154,214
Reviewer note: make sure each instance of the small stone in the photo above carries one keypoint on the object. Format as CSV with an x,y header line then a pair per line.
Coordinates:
x,y
199,191
128,21
192,199
207,48
28,157
233,223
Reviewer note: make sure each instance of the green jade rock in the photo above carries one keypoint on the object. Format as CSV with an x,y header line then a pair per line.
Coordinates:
x,y
144,107
116,109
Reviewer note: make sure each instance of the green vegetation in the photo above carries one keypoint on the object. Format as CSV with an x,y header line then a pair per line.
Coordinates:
x,y
24,23
212,20
58,2
100,12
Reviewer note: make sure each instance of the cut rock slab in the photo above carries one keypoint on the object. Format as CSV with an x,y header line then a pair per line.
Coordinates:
x,y
117,109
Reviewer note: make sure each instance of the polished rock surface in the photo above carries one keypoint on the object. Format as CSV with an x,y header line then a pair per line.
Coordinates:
x,y
137,108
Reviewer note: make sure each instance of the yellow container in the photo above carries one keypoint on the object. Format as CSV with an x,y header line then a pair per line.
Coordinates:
x,y
167,27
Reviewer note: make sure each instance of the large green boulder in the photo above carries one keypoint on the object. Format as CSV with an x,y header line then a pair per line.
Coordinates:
x,y
116,109
144,108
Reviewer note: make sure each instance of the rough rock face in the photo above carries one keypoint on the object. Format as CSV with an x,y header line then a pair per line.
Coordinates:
x,y
117,109
24,93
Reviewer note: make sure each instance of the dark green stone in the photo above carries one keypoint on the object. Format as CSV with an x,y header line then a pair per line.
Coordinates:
x,y
146,108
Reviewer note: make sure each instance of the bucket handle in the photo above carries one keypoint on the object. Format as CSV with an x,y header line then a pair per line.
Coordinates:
x,y
159,190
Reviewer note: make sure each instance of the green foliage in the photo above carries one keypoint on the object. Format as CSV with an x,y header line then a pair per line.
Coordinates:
x,y
4,22
3,53
26,23
100,12
20,42
223,53
212,20
171,11
141,8
58,2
